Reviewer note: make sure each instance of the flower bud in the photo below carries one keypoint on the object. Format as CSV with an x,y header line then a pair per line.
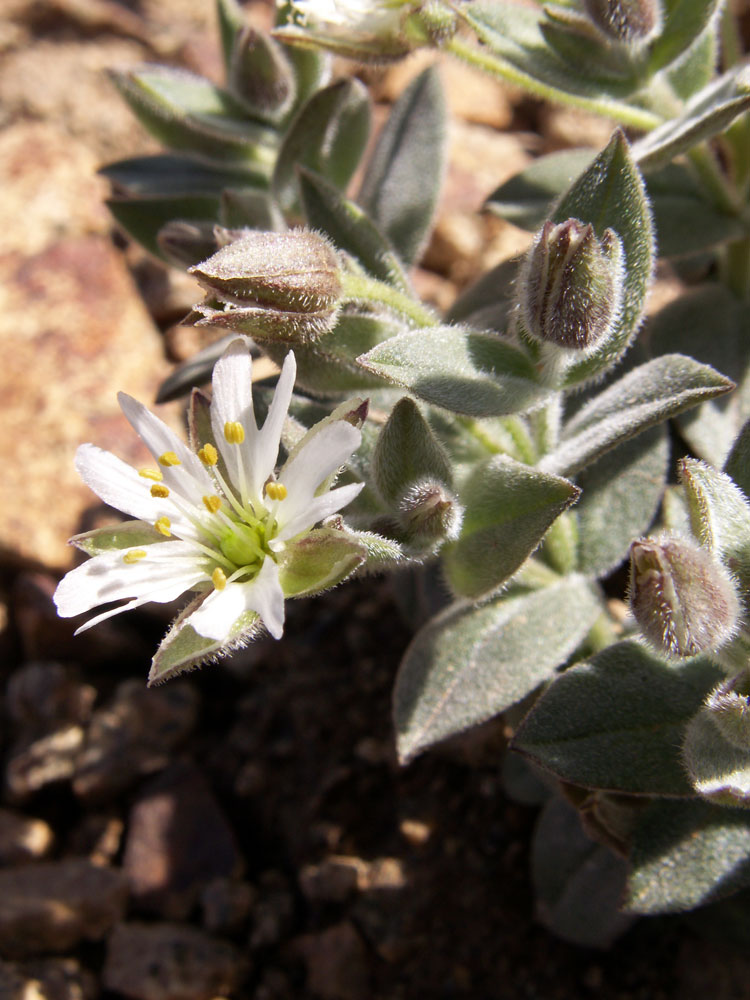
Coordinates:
x,y
296,271
571,285
630,22
366,30
260,75
728,707
429,513
682,598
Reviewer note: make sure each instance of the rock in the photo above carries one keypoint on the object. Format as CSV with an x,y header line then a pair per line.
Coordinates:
x,y
382,873
178,840
97,837
133,735
46,979
273,914
226,904
53,906
332,881
336,962
23,839
45,761
169,962
77,332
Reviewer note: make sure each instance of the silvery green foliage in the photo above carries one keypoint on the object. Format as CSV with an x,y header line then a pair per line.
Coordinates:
x,y
519,445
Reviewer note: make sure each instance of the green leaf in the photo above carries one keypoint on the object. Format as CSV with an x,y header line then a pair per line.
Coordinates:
x,y
708,113
168,175
737,465
407,451
189,114
322,559
617,722
718,770
709,324
645,396
402,180
250,208
696,67
116,536
330,212
685,221
143,218
231,21
486,304
328,135
620,498
466,372
508,508
686,854
684,22
526,199
578,883
610,194
469,664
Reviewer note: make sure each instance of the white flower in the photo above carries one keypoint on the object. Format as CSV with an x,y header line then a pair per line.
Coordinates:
x,y
372,18
218,521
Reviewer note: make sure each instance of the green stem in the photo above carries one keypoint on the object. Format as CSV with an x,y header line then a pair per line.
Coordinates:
x,y
602,633
359,288
736,268
714,182
495,65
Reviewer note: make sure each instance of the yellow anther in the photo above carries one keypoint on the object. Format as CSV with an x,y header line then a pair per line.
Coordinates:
x,y
162,525
219,578
169,458
154,474
213,503
159,491
208,454
276,491
134,555
234,432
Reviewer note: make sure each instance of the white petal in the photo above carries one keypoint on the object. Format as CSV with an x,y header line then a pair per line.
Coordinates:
x,y
167,570
120,486
263,461
189,479
318,509
322,455
233,402
219,612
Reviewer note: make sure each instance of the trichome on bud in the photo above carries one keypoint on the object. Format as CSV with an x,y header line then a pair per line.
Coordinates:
x,y
570,287
630,22
683,599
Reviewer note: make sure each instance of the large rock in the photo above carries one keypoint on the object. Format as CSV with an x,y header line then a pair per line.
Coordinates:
x,y
46,979
169,962
53,906
23,838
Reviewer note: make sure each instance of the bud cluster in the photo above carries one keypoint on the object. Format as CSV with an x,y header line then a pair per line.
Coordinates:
x,y
728,706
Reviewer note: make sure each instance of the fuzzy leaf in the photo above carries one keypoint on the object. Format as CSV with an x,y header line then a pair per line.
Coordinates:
x,y
526,199
116,536
406,452
610,194
462,371
188,114
508,508
686,854
684,22
404,174
578,883
231,21
645,396
328,135
469,664
320,560
250,208
718,770
143,218
168,175
684,220
708,113
710,325
737,465
621,494
617,722
330,212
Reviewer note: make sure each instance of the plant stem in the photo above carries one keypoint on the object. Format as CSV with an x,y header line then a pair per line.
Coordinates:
x,y
359,288
488,62
736,268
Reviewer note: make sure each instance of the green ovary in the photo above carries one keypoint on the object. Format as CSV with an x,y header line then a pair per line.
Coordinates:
x,y
244,544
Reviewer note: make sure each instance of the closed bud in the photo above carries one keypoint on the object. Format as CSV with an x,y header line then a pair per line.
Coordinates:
x,y
682,598
630,22
571,285
428,514
297,271
260,74
728,706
